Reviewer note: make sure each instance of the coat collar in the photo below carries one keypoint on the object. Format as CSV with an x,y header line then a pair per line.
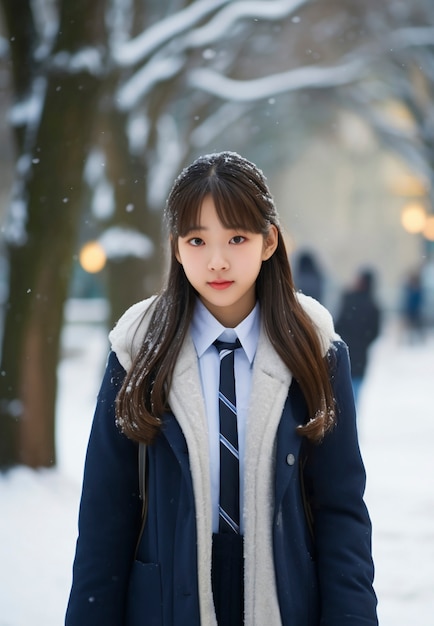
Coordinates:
x,y
127,336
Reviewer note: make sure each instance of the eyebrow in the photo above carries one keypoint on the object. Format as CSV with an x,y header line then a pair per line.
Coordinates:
x,y
194,228
198,227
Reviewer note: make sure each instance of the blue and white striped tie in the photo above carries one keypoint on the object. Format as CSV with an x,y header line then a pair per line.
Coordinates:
x,y
229,506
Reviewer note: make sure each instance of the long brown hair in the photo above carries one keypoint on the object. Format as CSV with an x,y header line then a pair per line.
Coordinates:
x,y
242,200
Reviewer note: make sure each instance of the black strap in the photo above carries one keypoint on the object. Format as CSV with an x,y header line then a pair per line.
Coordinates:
x,y
142,489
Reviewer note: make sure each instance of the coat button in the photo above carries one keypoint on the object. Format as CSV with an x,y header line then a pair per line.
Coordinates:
x,y
290,459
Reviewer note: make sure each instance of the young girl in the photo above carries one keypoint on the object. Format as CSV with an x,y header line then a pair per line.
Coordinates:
x,y
299,552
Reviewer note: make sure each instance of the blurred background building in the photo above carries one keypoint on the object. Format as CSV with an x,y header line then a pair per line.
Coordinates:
x,y
348,199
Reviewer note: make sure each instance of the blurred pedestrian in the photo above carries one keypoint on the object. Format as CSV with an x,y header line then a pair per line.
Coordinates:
x,y
412,306
427,285
358,323
308,277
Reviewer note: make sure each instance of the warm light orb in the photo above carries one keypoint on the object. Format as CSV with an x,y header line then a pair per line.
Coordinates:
x,y
92,257
428,231
413,218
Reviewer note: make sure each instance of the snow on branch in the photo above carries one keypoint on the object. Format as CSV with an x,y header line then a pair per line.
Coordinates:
x,y
119,242
206,132
29,110
311,76
141,83
134,51
411,36
88,59
221,23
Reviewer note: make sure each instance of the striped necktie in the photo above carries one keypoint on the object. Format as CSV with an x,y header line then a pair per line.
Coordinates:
x,y
229,505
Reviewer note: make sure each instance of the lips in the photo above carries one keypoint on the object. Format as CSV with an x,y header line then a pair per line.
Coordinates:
x,y
220,284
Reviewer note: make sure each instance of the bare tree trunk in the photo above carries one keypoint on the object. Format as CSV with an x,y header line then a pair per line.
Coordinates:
x,y
129,277
40,266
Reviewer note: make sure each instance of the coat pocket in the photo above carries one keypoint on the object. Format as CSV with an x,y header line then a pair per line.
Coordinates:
x,y
144,600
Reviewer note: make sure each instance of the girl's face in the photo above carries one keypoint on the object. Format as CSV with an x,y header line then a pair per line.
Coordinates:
x,y
222,264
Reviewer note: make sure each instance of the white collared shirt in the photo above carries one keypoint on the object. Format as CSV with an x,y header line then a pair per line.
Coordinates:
x,y
205,329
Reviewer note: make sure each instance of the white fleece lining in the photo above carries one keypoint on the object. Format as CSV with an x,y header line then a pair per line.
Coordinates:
x,y
270,384
186,402
128,334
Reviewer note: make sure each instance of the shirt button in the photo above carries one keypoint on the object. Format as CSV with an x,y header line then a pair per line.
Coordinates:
x,y
290,459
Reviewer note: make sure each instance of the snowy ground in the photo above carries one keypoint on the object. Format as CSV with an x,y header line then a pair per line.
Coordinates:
x,y
39,509
397,439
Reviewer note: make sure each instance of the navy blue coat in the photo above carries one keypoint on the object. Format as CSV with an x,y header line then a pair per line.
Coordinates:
x,y
322,551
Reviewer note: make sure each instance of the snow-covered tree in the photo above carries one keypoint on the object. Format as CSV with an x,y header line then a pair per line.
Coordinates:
x,y
56,78
398,99
105,75
112,98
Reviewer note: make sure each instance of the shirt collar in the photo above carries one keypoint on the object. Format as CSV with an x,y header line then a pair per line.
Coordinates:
x,y
205,329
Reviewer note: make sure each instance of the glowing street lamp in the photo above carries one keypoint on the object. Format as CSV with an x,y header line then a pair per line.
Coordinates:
x,y
92,257
413,218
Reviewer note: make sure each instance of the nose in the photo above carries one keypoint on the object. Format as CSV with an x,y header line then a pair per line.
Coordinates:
x,y
218,260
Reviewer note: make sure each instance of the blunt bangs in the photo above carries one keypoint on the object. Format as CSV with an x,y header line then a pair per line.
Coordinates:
x,y
238,188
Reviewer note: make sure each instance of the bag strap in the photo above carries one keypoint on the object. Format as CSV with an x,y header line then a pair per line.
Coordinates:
x,y
142,489
307,506
142,479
